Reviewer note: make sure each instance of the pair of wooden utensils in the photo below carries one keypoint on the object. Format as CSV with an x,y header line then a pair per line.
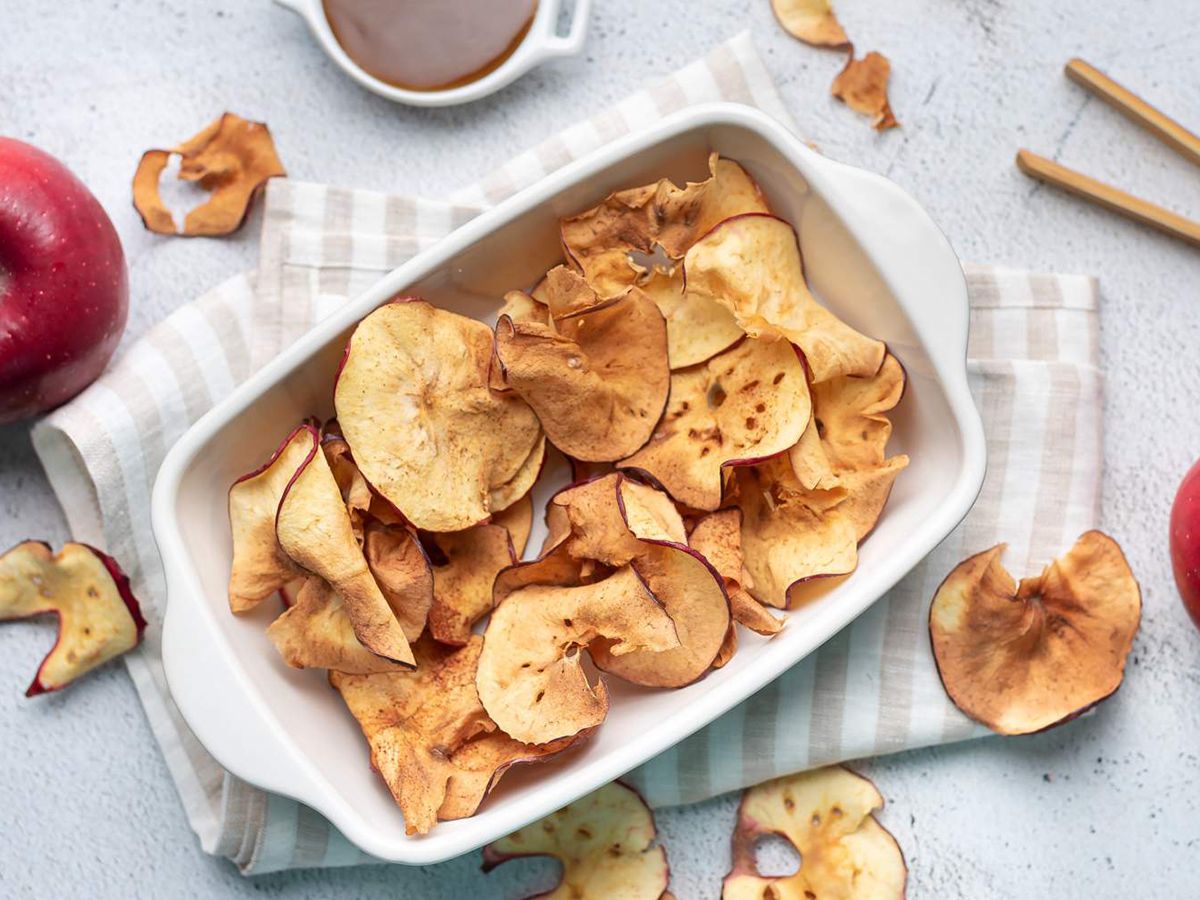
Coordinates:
x,y
1161,126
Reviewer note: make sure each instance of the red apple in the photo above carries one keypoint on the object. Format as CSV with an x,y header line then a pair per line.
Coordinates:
x,y
64,291
1185,541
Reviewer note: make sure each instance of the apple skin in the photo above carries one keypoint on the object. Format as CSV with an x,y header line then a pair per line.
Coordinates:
x,y
1185,541
64,289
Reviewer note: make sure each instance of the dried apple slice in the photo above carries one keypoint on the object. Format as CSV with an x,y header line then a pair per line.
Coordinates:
x,y
862,85
850,415
522,307
718,538
402,570
599,382
605,843
467,563
698,327
481,762
505,495
260,567
828,816
427,432
356,493
1024,657
741,406
518,521
98,616
604,518
812,21
751,264
314,529
531,678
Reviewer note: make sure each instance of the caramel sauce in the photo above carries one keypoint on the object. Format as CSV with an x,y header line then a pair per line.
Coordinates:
x,y
428,45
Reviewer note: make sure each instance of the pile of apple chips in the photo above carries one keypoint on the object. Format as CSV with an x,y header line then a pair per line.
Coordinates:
x,y
728,437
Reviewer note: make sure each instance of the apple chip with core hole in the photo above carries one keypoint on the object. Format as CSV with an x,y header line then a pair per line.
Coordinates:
x,y
599,382
1020,658
314,529
698,327
98,616
718,538
466,564
862,85
605,843
742,406
640,219
828,816
260,567
401,569
531,678
480,763
812,21
751,264
426,430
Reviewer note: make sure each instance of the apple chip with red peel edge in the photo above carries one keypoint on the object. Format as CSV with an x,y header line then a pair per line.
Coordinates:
x,y
402,570
828,816
698,327
466,565
744,405
598,242
718,538
314,529
599,382
98,616
505,495
812,21
752,265
1020,658
862,85
531,678
427,432
414,721
314,632
260,567
605,843
603,519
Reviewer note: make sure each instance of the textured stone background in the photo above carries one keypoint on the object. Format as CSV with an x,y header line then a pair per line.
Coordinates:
x,y
1103,807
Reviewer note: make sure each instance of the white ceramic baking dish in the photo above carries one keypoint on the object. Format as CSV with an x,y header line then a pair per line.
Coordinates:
x,y
871,254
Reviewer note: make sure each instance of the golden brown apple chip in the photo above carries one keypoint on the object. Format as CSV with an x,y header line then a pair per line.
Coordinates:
x,y
741,406
828,816
812,21
356,493
231,158
314,529
401,569
98,616
481,762
604,518
599,241
1024,657
531,678
567,293
427,432
698,327
752,265
522,307
599,382
862,85
605,843
718,538
466,565
518,521
260,567
510,492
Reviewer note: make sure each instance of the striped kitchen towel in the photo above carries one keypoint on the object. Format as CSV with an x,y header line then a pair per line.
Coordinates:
x,y
872,689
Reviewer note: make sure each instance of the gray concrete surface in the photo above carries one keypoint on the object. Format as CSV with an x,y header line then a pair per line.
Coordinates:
x,y
1103,807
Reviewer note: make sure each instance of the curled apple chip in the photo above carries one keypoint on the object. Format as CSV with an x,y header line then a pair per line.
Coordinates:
x,y
828,816
606,518
599,241
718,538
426,430
480,763
98,616
517,520
315,531
598,380
466,564
402,570
605,843
231,158
260,567
752,265
1020,658
862,85
356,493
522,307
850,415
741,406
812,21
698,327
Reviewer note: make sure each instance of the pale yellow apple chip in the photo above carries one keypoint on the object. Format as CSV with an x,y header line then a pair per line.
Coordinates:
x,y
466,564
828,816
1024,657
751,264
741,406
698,327
862,85
426,430
605,843
812,21
718,538
401,569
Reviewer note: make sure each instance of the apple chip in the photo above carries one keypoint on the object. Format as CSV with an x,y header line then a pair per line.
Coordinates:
x,y
741,406
812,21
603,519
356,493
862,85
518,521
427,432
605,843
260,567
531,678
480,763
752,265
599,382
401,569
850,415
599,241
1024,657
506,495
231,158
828,816
98,616
522,307
718,538
314,529
466,564
698,327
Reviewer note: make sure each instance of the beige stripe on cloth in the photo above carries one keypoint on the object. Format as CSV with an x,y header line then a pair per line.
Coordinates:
x,y
872,689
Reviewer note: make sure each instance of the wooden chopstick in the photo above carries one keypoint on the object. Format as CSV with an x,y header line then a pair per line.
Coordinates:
x,y
1108,196
1135,108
